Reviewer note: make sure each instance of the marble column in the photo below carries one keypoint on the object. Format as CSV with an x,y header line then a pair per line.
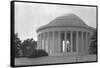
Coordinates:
x,y
38,46
53,46
48,40
85,42
71,41
85,46
45,41
59,39
65,41
77,40
88,42
46,45
40,42
82,42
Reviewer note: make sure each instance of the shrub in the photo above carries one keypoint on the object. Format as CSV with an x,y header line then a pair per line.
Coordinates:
x,y
38,53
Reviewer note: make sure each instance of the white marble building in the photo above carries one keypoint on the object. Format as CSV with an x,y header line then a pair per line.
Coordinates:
x,y
65,35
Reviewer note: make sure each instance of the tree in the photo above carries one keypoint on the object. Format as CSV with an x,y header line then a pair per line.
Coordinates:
x,y
93,45
28,46
17,45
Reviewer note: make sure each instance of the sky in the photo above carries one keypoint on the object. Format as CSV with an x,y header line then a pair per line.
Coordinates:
x,y
30,16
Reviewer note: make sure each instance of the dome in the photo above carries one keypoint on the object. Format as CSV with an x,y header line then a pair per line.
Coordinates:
x,y
68,20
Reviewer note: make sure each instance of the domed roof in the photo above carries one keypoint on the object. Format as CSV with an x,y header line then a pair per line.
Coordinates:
x,y
67,20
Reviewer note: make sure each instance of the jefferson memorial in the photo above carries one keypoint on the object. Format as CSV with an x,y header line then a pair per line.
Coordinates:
x,y
65,35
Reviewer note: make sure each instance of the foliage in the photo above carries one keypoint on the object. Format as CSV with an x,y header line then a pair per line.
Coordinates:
x,y
28,46
17,43
25,48
93,45
38,53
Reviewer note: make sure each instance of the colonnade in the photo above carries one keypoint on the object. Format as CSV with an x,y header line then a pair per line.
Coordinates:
x,y
65,41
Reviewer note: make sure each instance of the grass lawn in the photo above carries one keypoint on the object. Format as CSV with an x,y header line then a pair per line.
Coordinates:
x,y
54,59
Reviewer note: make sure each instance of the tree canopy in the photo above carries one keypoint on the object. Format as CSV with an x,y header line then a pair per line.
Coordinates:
x,y
93,44
24,48
28,46
17,45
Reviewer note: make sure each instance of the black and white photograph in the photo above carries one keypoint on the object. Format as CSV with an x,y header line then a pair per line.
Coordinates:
x,y
53,33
